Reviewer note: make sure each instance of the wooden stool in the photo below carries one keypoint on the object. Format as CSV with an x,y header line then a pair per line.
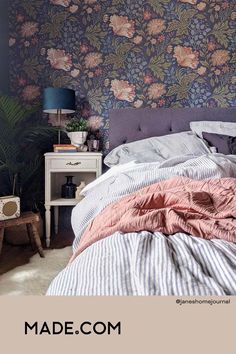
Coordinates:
x,y
29,219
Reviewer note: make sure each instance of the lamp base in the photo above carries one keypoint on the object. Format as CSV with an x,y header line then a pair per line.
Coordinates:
x,y
59,126
59,136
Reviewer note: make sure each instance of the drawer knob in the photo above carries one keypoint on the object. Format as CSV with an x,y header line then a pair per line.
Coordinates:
x,y
73,163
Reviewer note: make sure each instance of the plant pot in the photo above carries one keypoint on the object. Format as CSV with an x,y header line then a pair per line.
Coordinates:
x,y
77,138
17,235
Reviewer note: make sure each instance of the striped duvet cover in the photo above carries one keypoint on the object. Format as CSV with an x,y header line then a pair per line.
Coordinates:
x,y
145,263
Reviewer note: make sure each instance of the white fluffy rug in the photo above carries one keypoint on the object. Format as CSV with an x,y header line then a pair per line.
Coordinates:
x,y
34,278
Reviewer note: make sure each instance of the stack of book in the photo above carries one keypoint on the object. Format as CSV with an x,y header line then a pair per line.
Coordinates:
x,y
64,148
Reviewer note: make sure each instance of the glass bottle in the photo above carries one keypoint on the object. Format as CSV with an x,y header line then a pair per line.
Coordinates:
x,y
68,189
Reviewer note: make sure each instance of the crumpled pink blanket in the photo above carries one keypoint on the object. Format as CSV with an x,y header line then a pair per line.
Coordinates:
x,y
205,208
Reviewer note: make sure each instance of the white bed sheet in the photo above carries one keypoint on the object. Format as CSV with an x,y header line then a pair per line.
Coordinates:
x,y
147,263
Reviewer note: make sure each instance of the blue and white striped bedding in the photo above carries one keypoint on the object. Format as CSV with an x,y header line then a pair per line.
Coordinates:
x,y
147,263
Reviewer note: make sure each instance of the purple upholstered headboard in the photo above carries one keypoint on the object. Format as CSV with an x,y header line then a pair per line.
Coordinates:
x,y
132,124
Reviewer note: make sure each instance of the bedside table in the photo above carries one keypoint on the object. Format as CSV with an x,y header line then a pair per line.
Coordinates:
x,y
84,166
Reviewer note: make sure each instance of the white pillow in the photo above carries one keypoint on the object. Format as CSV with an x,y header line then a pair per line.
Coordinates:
x,y
217,127
157,149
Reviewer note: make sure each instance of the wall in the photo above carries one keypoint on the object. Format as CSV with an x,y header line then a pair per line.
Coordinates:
x,y
119,53
4,68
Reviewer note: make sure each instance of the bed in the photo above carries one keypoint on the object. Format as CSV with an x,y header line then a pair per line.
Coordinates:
x,y
145,261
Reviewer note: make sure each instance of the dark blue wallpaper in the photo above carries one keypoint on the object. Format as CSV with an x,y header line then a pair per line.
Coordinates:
x,y
4,63
125,53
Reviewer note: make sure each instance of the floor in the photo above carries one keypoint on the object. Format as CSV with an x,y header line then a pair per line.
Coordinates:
x,y
14,256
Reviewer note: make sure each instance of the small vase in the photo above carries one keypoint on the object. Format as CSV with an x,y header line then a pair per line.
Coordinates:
x,y
68,189
77,138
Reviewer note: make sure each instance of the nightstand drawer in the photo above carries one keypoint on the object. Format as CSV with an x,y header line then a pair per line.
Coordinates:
x,y
73,163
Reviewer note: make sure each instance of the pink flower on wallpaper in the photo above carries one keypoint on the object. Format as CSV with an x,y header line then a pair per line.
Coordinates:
x,y
73,8
123,90
147,15
90,2
233,80
64,3
138,39
28,29
20,18
84,48
147,79
138,103
201,70
192,2
95,122
21,81
53,120
155,26
75,72
220,57
98,72
30,92
12,41
59,59
186,57
92,60
233,16
156,90
201,6
211,46
122,26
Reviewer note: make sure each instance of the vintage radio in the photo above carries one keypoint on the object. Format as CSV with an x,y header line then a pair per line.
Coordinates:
x,y
9,207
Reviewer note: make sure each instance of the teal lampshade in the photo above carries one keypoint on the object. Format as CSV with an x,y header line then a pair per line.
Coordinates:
x,y
58,98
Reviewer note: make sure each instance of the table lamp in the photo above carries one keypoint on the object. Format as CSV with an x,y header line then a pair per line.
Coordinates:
x,y
58,101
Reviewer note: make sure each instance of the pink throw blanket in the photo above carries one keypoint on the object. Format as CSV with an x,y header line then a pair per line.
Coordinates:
x,y
205,208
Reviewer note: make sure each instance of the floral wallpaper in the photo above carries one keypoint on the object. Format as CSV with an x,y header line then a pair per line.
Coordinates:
x,y
125,53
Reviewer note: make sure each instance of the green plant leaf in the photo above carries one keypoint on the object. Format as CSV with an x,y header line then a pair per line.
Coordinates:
x,y
12,112
21,138
77,125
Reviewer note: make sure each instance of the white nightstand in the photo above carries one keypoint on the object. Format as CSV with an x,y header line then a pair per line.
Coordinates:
x,y
84,166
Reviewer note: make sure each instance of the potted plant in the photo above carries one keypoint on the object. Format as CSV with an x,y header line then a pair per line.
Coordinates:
x,y
77,131
23,135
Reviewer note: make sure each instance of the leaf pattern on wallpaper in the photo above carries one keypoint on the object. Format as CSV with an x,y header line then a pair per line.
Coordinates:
x,y
96,99
181,88
158,65
60,80
223,33
32,68
158,6
181,25
31,7
94,34
117,59
221,94
54,27
125,53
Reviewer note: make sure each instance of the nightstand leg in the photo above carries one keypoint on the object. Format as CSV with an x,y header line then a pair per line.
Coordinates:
x,y
1,238
56,219
48,225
